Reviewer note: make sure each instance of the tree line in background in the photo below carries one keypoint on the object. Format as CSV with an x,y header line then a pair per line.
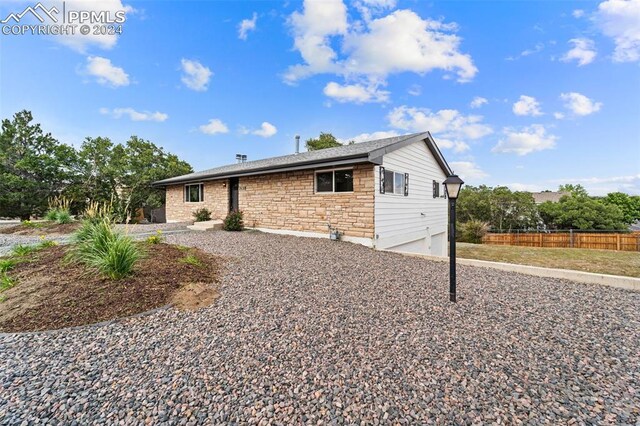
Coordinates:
x,y
35,167
482,208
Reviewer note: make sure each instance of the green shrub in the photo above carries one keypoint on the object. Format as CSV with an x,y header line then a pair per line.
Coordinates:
x,y
233,221
6,282
118,260
22,250
44,243
29,224
191,260
473,231
202,215
51,215
64,217
155,239
104,250
7,265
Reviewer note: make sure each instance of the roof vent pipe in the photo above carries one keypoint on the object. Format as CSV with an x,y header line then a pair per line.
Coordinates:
x,y
297,144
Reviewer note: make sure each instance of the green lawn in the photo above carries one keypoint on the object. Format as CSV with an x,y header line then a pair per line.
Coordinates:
x,y
598,261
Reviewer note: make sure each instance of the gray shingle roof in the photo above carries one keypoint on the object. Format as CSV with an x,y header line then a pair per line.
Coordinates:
x,y
346,152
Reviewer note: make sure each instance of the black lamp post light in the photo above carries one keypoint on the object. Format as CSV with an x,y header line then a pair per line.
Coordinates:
x,y
452,184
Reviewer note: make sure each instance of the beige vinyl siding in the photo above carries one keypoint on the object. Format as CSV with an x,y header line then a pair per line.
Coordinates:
x,y
399,223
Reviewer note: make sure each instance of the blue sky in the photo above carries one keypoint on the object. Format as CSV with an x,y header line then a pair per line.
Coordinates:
x,y
525,94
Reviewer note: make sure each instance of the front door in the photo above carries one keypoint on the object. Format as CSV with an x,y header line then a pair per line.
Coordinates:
x,y
233,194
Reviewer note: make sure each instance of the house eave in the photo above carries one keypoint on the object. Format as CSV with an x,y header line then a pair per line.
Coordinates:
x,y
269,170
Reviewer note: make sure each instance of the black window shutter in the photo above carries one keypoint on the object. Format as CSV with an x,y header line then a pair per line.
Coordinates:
x,y
406,184
381,180
185,190
436,188
202,192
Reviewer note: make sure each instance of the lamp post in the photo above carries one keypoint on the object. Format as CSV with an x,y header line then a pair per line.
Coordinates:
x,y
452,184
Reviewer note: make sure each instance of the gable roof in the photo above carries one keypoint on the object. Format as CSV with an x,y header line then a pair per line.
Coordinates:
x,y
364,152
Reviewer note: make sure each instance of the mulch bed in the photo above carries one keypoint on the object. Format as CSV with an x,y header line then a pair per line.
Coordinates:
x,y
41,228
53,293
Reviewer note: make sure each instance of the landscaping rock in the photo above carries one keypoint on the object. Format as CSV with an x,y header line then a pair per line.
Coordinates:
x,y
319,332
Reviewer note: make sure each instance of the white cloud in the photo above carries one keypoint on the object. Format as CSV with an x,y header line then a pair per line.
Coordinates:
x,y
363,137
527,105
468,170
105,72
577,13
79,42
579,104
599,186
356,93
213,127
371,50
369,8
527,187
451,127
558,115
583,51
525,141
619,19
311,30
478,101
266,130
402,41
247,25
539,47
415,90
195,75
135,115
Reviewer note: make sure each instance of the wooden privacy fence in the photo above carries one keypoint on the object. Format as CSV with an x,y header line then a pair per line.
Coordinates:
x,y
622,242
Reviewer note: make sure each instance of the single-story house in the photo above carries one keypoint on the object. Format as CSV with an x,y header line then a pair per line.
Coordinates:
x,y
385,193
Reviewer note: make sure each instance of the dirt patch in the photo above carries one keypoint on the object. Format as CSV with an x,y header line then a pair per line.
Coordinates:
x,y
194,296
53,293
41,228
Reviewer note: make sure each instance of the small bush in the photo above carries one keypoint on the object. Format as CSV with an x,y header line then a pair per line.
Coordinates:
x,y
202,215
44,243
51,215
6,282
29,224
104,250
64,217
472,231
191,260
22,250
7,265
96,212
233,221
155,239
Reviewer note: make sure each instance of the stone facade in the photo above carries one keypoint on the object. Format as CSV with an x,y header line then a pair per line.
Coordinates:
x,y
216,199
287,201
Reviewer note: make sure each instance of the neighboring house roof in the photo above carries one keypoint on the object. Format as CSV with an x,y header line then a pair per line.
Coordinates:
x,y
635,227
541,197
363,152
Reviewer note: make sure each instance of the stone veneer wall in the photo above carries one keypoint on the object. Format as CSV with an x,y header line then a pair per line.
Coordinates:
x,y
287,201
216,199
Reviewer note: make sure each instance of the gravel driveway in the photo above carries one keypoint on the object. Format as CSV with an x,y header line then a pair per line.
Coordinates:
x,y
311,331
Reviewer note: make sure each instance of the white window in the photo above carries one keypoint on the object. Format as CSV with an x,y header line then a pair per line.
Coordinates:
x,y
394,182
334,180
194,193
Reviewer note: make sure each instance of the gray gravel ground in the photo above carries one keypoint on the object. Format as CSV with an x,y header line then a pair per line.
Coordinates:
x,y
7,241
310,331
